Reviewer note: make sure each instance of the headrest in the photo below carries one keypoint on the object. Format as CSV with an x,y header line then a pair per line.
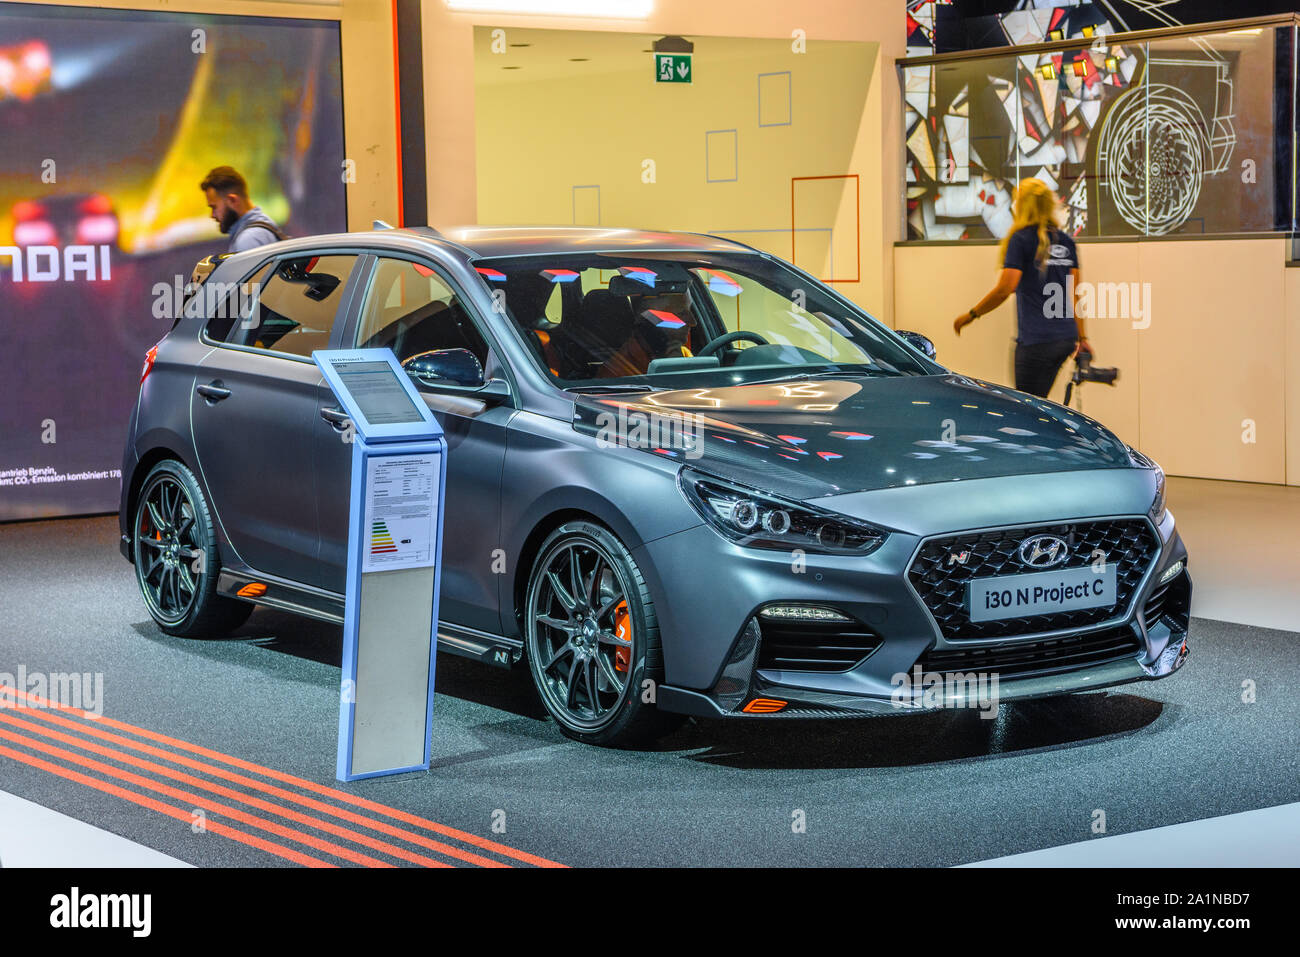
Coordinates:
x,y
604,317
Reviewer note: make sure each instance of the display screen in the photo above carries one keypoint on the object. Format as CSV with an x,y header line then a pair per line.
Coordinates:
x,y
378,393
109,119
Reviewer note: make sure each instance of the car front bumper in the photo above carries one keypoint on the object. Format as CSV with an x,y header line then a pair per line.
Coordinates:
x,y
920,690
709,595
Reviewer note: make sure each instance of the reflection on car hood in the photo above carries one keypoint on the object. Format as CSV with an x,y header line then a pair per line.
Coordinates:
x,y
811,437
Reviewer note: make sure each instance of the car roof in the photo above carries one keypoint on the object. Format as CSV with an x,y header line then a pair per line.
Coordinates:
x,y
484,242
498,241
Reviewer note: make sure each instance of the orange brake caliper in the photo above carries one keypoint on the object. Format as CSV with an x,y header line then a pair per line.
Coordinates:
x,y
623,631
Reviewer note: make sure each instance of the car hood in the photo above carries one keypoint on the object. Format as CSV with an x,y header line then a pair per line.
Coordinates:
x,y
813,437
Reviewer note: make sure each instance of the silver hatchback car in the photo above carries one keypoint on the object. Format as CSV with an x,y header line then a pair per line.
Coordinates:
x,y
684,478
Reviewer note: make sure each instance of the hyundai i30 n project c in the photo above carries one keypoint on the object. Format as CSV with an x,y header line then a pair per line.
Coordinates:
x,y
683,478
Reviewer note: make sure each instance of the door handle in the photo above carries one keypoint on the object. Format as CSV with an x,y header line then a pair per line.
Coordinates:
x,y
214,391
339,420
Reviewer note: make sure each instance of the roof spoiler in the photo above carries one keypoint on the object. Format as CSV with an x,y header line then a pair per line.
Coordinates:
x,y
380,224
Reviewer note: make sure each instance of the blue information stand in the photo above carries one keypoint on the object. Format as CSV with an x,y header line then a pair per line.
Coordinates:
x,y
390,624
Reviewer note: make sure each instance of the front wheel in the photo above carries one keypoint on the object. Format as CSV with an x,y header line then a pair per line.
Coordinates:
x,y
592,638
175,553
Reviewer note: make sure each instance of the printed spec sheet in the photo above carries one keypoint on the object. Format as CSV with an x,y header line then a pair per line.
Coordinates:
x,y
401,517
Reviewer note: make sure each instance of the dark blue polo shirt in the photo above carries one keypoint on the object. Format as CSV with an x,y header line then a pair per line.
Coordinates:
x,y
1044,299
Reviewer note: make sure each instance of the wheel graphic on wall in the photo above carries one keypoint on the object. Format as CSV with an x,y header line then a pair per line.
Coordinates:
x,y
1151,157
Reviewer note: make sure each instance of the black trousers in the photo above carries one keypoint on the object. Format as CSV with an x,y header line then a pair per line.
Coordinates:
x,y
1037,365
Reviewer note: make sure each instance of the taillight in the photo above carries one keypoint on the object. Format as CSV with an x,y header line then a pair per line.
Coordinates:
x,y
97,230
28,209
97,205
35,232
149,358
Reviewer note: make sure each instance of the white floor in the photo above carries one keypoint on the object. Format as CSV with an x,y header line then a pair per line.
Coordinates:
x,y
1268,837
35,836
1243,543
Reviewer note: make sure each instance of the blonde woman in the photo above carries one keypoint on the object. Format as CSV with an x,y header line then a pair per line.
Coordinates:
x,y
1037,260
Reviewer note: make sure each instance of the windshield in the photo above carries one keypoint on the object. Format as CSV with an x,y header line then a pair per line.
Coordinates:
x,y
673,320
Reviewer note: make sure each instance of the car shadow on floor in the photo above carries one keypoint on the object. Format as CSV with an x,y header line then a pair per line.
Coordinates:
x,y
322,643
303,638
746,744
918,739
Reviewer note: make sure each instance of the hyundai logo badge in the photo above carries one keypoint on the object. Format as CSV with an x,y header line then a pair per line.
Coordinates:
x,y
1043,551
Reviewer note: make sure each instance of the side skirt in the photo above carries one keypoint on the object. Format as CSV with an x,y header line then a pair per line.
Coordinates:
x,y
299,599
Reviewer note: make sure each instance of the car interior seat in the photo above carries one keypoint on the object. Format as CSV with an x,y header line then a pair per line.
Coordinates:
x,y
590,337
662,329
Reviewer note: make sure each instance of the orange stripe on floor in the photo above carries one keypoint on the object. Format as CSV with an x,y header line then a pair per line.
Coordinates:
x,y
197,800
88,725
358,819
327,826
216,827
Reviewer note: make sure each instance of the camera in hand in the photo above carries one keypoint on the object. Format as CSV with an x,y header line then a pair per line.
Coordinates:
x,y
1085,371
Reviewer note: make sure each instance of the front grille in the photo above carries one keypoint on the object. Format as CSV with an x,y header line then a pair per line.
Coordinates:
x,y
1026,659
814,646
1127,543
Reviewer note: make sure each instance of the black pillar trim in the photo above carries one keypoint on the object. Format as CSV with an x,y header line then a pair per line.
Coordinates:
x,y
410,92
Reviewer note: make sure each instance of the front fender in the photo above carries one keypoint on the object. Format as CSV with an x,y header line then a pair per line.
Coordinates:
x,y
551,469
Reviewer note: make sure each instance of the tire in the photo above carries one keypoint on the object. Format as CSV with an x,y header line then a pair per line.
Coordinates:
x,y
174,548
590,658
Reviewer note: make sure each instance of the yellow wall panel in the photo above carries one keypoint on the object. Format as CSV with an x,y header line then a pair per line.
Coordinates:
x,y
695,157
1214,355
1115,341
935,284
1213,358
1291,293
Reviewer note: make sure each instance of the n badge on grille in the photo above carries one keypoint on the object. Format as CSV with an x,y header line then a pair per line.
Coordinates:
x,y
958,558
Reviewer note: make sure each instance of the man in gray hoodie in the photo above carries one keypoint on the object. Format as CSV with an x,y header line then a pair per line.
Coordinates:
x,y
227,194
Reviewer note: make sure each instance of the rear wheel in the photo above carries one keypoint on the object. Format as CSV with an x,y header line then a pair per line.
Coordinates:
x,y
176,562
592,639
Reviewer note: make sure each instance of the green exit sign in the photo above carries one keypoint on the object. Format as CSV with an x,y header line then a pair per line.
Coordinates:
x,y
672,68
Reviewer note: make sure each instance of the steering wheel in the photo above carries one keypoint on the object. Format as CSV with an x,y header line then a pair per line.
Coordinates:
x,y
729,338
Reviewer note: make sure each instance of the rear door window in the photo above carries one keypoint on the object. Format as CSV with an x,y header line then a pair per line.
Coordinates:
x,y
226,304
295,309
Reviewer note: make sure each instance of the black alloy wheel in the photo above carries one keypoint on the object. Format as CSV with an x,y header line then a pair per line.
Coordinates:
x,y
592,639
175,555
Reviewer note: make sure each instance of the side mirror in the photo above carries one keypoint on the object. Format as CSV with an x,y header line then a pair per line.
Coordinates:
x,y
445,367
455,372
918,342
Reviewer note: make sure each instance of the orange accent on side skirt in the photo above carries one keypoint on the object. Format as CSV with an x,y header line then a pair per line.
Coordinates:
x,y
252,590
764,706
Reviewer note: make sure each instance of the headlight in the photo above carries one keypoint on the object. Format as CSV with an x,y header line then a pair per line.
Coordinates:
x,y
752,518
1158,507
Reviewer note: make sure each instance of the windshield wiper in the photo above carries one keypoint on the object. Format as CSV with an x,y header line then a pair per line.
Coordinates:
x,y
612,387
825,374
